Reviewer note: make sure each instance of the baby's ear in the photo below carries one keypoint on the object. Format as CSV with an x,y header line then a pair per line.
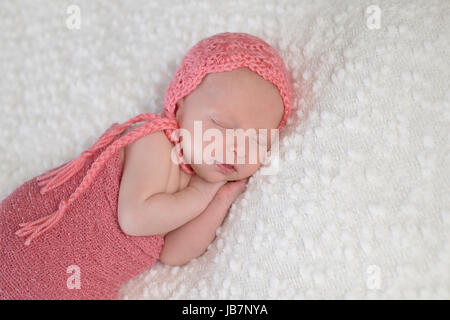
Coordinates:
x,y
178,105
181,101
177,114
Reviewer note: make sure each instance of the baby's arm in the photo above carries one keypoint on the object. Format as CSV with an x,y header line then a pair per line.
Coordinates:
x,y
144,208
163,212
193,238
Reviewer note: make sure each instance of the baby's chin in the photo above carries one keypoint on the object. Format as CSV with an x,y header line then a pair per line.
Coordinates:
x,y
210,173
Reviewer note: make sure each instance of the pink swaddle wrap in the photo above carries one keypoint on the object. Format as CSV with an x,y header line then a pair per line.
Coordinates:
x,y
69,215
89,238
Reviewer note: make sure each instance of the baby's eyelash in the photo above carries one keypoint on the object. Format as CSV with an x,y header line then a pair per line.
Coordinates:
x,y
260,143
214,120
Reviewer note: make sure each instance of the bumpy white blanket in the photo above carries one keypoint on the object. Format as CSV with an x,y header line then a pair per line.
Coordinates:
x,y
360,207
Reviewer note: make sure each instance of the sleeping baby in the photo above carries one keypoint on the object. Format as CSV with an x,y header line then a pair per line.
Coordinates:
x,y
152,191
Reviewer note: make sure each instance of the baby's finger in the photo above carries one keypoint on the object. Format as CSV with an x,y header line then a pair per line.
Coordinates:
x,y
244,181
239,185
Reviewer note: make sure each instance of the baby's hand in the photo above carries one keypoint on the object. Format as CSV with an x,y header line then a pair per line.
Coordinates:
x,y
205,189
231,190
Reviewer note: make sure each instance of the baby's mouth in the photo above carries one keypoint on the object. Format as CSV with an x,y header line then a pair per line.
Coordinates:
x,y
225,168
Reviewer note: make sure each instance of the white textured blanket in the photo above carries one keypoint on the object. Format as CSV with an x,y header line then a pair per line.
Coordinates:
x,y
360,207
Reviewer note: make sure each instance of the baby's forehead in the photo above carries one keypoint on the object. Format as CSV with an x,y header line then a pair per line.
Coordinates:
x,y
236,75
239,83
240,94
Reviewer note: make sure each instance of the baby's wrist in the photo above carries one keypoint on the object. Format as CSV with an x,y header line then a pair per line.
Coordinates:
x,y
223,199
202,197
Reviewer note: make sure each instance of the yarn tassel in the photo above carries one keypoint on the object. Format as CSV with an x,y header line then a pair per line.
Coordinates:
x,y
36,228
58,176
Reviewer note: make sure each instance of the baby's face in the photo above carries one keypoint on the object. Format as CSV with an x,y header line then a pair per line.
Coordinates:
x,y
229,100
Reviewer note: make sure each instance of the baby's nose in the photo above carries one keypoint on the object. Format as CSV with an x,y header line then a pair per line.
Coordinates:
x,y
236,150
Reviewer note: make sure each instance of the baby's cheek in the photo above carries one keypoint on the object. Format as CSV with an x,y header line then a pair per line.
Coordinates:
x,y
188,155
247,170
254,155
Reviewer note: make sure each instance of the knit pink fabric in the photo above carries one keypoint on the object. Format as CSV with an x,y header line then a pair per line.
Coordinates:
x,y
89,238
85,190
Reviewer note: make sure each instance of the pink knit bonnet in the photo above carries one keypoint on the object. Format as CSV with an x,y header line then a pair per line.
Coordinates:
x,y
221,52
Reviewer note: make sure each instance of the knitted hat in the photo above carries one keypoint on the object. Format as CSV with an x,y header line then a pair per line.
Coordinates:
x,y
221,52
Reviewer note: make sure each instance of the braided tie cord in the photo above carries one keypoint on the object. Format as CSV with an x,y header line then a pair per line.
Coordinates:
x,y
55,178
